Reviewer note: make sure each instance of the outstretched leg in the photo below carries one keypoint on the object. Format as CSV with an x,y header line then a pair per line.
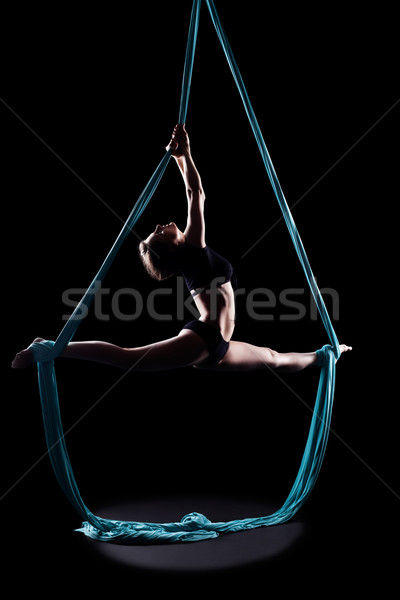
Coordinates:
x,y
242,356
183,350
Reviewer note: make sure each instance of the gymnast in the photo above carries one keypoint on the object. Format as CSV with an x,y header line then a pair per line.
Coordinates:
x,y
204,343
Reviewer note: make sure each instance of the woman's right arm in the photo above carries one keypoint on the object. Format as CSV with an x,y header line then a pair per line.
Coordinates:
x,y
195,226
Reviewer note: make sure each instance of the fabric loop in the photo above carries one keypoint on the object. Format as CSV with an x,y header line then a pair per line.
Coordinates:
x,y
43,351
192,526
323,354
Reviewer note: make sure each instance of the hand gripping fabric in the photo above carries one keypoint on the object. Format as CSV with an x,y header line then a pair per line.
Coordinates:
x,y
194,526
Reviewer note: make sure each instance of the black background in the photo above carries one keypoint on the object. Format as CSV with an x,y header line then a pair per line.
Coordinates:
x,y
101,88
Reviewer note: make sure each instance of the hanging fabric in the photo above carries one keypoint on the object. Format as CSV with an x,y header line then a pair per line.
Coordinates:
x,y
194,526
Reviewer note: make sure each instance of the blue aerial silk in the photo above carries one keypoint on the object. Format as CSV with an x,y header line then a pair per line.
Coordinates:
x,y
193,526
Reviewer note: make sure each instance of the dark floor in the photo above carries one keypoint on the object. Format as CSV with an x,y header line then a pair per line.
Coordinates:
x,y
344,539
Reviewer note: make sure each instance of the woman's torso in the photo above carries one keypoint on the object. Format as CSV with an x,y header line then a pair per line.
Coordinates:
x,y
209,277
216,306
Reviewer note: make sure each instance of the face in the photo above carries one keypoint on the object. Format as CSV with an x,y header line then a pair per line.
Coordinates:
x,y
168,233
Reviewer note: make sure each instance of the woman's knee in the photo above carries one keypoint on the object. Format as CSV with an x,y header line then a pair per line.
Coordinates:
x,y
242,356
272,358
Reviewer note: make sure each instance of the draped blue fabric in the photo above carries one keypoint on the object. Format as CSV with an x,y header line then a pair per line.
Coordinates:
x,y
194,526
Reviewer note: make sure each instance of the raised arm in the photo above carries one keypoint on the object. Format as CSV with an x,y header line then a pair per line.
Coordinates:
x,y
195,226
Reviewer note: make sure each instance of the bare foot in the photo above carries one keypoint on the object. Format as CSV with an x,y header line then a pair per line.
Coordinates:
x,y
24,358
344,348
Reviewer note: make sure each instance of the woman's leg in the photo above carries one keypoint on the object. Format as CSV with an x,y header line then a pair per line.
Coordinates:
x,y
183,350
246,357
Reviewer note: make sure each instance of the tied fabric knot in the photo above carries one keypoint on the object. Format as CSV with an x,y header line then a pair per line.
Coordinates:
x,y
43,351
323,354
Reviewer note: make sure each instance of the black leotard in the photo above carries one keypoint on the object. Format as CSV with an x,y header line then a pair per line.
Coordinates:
x,y
203,268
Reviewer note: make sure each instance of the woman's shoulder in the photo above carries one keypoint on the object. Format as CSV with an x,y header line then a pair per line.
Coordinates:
x,y
192,252
194,247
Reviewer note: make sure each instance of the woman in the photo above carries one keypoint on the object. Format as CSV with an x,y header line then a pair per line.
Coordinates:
x,y
205,343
